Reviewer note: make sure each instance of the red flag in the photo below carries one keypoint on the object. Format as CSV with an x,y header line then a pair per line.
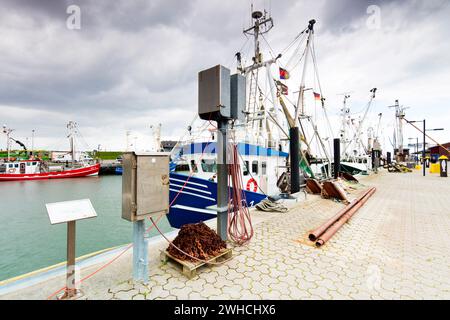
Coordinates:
x,y
283,88
317,96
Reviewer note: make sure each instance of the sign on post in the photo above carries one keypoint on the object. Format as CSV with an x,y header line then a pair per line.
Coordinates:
x,y
69,212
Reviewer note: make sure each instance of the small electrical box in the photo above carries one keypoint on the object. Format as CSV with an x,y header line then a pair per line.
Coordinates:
x,y
145,185
214,93
237,103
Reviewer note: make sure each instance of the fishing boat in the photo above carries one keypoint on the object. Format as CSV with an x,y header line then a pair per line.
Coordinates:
x,y
357,139
34,168
262,139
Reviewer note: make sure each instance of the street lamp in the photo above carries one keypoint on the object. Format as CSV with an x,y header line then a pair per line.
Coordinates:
x,y
424,141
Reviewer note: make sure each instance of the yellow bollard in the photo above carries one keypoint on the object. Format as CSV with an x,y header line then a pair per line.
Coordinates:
x,y
435,168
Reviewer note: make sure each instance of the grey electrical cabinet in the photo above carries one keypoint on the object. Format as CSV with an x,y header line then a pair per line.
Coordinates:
x,y
238,95
145,185
214,93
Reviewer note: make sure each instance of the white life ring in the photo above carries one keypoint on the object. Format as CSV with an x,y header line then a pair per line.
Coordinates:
x,y
12,170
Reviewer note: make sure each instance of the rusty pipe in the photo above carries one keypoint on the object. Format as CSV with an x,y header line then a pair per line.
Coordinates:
x,y
318,232
335,227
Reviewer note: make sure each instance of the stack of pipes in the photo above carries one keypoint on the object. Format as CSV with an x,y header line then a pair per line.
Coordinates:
x,y
322,234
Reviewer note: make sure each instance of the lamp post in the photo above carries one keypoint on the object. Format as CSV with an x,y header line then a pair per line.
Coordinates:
x,y
424,141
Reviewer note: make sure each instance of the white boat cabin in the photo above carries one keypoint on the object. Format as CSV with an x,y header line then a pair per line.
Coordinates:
x,y
20,167
260,167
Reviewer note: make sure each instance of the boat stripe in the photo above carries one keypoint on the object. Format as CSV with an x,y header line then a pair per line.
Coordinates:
x,y
178,206
193,194
190,182
203,191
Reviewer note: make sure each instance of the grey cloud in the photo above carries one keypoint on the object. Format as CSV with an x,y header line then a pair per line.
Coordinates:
x,y
134,61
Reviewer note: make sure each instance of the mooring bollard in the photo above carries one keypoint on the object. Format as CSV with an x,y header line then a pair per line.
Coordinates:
x,y
69,212
443,162
427,162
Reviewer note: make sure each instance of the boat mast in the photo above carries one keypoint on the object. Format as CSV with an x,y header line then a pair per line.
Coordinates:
x,y
300,110
72,127
399,116
345,111
262,24
8,131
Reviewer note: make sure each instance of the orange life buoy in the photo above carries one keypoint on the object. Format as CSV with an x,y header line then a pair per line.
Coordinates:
x,y
255,185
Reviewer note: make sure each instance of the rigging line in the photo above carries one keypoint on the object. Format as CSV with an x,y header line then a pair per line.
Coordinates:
x,y
271,51
300,60
316,73
242,48
296,50
316,68
292,59
293,41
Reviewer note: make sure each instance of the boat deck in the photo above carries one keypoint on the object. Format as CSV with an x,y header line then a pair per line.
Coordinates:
x,y
397,246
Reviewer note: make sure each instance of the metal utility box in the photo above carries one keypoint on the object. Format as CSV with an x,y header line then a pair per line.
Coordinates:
x,y
145,185
238,94
214,93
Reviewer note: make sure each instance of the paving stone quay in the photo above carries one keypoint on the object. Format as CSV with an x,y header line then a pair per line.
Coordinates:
x,y
397,246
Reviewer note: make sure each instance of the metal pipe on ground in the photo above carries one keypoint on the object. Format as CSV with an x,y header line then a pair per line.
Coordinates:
x,y
318,232
345,217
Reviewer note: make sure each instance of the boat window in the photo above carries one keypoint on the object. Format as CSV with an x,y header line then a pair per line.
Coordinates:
x,y
34,163
10,165
16,165
28,164
181,167
209,165
245,169
264,167
194,166
255,166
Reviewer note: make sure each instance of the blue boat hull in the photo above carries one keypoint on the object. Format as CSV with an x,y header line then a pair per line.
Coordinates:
x,y
189,203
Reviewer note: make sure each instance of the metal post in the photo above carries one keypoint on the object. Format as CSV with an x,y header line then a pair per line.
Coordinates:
x,y
70,272
222,179
417,150
337,157
140,252
424,150
294,151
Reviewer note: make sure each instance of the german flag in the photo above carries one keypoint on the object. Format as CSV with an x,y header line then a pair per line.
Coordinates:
x,y
284,74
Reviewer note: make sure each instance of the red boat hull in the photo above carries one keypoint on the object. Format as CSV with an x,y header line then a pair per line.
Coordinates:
x,y
71,173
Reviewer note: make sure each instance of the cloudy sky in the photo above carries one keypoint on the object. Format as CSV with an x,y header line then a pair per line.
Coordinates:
x,y
134,63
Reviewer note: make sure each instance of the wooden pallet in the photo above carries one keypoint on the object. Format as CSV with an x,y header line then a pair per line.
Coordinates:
x,y
190,268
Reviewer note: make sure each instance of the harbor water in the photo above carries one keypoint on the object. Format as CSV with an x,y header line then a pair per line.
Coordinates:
x,y
28,241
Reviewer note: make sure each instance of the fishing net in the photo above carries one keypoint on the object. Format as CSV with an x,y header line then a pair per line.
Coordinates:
x,y
197,240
